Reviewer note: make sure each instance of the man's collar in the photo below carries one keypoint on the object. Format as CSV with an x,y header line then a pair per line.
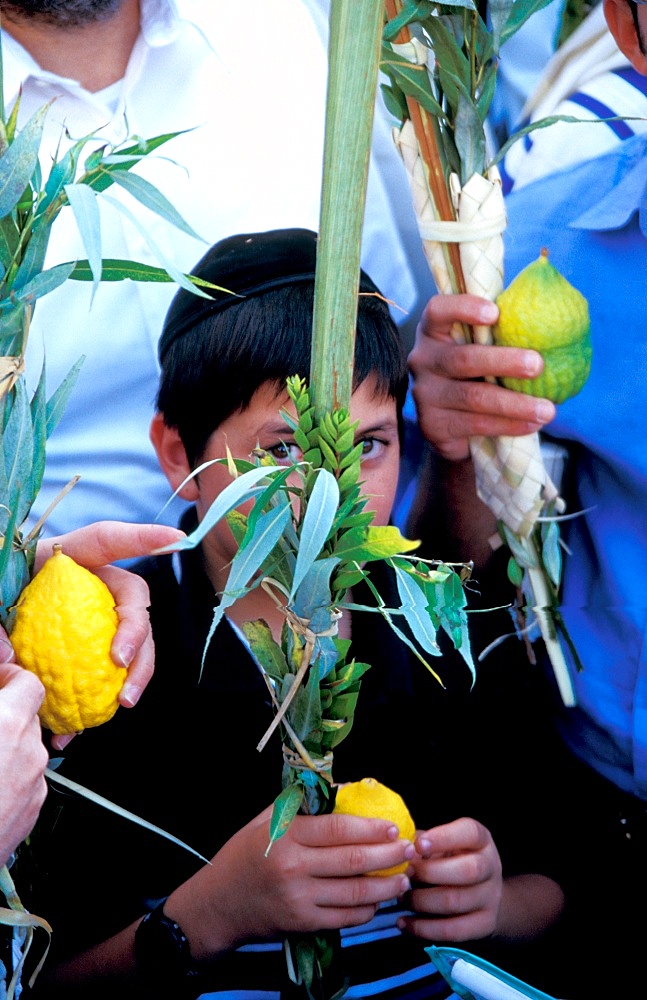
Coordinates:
x,y
621,189
160,23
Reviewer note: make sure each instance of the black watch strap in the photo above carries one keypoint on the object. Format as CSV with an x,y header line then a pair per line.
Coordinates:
x,y
162,951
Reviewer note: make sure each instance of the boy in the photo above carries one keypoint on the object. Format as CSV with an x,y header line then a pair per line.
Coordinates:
x,y
218,927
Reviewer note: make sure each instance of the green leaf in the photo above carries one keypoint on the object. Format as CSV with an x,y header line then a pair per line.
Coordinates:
x,y
469,136
551,553
38,408
42,283
452,65
63,172
83,202
100,166
73,786
237,492
305,711
18,454
14,327
547,122
247,561
515,572
317,522
265,648
148,195
414,608
412,80
519,547
519,14
33,259
286,806
375,542
8,241
58,401
19,161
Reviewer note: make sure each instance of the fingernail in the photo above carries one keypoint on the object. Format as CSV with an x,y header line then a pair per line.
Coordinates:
x,y
545,410
6,651
130,694
405,884
532,363
393,833
127,654
489,313
401,924
410,852
60,742
424,847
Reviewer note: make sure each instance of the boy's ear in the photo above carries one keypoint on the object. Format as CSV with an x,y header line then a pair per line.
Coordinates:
x,y
172,457
622,26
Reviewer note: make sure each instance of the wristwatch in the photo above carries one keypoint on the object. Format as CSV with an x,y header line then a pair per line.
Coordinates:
x,y
162,951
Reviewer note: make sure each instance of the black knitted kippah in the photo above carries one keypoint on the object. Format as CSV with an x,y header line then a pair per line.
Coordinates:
x,y
248,264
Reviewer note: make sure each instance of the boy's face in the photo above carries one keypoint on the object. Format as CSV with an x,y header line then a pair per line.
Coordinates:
x,y
260,425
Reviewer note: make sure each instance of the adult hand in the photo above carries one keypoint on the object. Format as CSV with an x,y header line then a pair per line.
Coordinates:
x,y
453,401
23,757
458,883
95,547
313,878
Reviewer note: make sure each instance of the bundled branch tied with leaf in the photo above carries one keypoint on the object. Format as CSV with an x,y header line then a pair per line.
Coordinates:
x,y
30,203
441,60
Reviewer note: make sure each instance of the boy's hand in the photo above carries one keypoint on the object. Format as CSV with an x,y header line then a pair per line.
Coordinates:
x,y
23,758
458,883
312,879
453,402
95,547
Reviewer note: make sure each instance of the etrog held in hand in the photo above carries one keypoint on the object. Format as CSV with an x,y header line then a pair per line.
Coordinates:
x,y
540,309
369,797
62,631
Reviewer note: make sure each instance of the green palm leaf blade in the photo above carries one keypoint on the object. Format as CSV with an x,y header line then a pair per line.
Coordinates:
x,y
353,57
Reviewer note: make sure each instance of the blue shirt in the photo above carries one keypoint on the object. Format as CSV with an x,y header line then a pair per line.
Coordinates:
x,y
593,220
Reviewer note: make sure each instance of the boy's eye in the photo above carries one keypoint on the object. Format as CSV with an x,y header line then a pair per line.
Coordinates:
x,y
371,447
285,452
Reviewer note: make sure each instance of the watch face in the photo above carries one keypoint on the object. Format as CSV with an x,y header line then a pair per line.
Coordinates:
x,y
162,951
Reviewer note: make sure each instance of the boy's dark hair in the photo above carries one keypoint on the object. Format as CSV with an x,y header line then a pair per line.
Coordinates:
x,y
216,353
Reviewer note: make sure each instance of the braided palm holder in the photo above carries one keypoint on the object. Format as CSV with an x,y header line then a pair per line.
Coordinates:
x,y
511,478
